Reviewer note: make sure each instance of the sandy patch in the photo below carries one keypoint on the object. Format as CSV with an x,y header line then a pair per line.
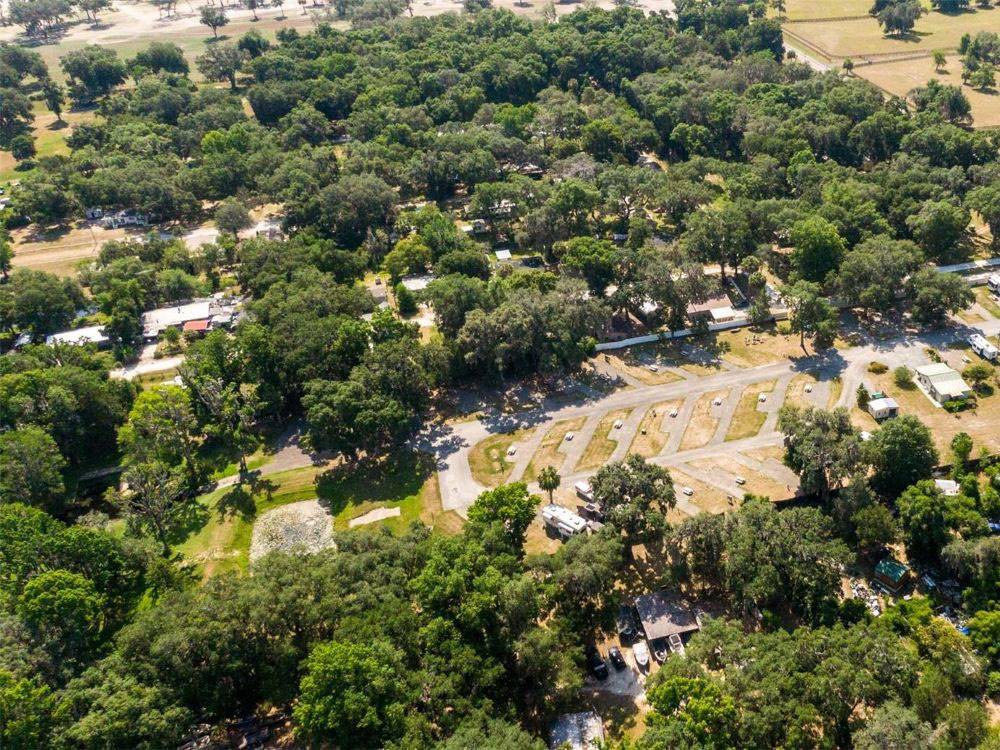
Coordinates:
x,y
378,514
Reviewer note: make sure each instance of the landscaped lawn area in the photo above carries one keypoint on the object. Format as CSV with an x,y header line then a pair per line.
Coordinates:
x,y
488,458
649,439
549,453
218,535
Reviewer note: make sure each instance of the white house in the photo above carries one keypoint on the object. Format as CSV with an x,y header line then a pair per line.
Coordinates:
x,y
883,408
942,383
157,321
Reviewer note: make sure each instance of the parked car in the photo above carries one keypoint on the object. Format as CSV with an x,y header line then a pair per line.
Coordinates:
x,y
676,644
595,663
626,622
617,660
641,653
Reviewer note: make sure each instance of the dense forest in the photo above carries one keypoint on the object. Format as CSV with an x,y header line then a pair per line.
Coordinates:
x,y
374,141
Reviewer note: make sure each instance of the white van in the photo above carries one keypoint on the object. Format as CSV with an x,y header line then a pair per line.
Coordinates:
x,y
993,282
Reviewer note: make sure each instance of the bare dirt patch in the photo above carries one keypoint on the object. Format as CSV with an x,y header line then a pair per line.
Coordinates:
x,y
549,453
604,442
649,440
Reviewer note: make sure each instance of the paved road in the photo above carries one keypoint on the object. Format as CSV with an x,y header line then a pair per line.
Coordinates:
x,y
451,443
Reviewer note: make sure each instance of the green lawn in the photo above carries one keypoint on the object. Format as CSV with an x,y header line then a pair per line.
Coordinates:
x,y
217,535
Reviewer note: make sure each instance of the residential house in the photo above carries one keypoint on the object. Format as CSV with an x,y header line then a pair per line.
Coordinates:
x,y
892,574
942,383
79,337
883,408
663,615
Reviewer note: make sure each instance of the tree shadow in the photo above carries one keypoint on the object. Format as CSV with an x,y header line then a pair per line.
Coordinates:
x,y
389,479
242,499
191,517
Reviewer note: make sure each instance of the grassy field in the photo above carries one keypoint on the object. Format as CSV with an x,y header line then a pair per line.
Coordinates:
x,y
901,77
862,37
50,138
747,420
488,458
604,442
549,453
649,440
217,536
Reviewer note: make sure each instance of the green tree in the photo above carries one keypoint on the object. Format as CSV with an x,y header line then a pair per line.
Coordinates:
x,y
899,17
810,313
872,274
31,468
901,453
27,710
65,610
591,259
961,449
548,480
508,507
38,302
214,18
875,527
985,201
15,115
923,516
55,97
635,496
93,72
22,147
893,727
936,294
160,427
940,228
978,373
818,248
221,62
939,59
151,502
453,298
353,694
232,216
966,723
822,447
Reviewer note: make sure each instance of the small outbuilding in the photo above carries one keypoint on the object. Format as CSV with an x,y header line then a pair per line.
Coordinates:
x,y
892,574
883,408
581,731
947,487
79,337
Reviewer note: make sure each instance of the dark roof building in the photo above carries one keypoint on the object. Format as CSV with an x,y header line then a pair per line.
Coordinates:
x,y
663,615
892,574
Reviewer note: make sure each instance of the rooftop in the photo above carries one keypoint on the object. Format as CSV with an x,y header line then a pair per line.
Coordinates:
x,y
892,569
78,336
663,615
717,302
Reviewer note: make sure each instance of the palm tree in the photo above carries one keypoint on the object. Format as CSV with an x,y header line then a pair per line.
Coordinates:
x,y
548,480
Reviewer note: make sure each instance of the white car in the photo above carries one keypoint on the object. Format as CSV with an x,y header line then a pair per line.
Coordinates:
x,y
511,451
673,412
688,491
641,653
618,424
570,435
653,368
762,398
741,481
717,402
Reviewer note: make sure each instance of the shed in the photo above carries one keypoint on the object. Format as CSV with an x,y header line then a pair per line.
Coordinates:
x,y
503,255
581,731
892,574
663,615
883,408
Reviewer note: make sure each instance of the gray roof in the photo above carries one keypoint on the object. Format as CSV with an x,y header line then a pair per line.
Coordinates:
x,y
663,615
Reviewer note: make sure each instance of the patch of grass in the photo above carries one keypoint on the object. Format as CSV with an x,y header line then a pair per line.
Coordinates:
x,y
549,453
651,442
604,442
703,423
988,301
488,458
747,420
221,542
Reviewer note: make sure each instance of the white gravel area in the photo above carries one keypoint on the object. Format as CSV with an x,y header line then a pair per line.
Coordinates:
x,y
304,527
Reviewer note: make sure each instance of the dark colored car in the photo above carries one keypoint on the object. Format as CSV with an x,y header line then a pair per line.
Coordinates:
x,y
617,660
595,663
626,623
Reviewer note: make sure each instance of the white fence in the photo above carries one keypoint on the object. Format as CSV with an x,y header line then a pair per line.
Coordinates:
x,y
649,338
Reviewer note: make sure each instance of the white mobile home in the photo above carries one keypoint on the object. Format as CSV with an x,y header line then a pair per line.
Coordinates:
x,y
883,408
563,521
983,347
942,383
